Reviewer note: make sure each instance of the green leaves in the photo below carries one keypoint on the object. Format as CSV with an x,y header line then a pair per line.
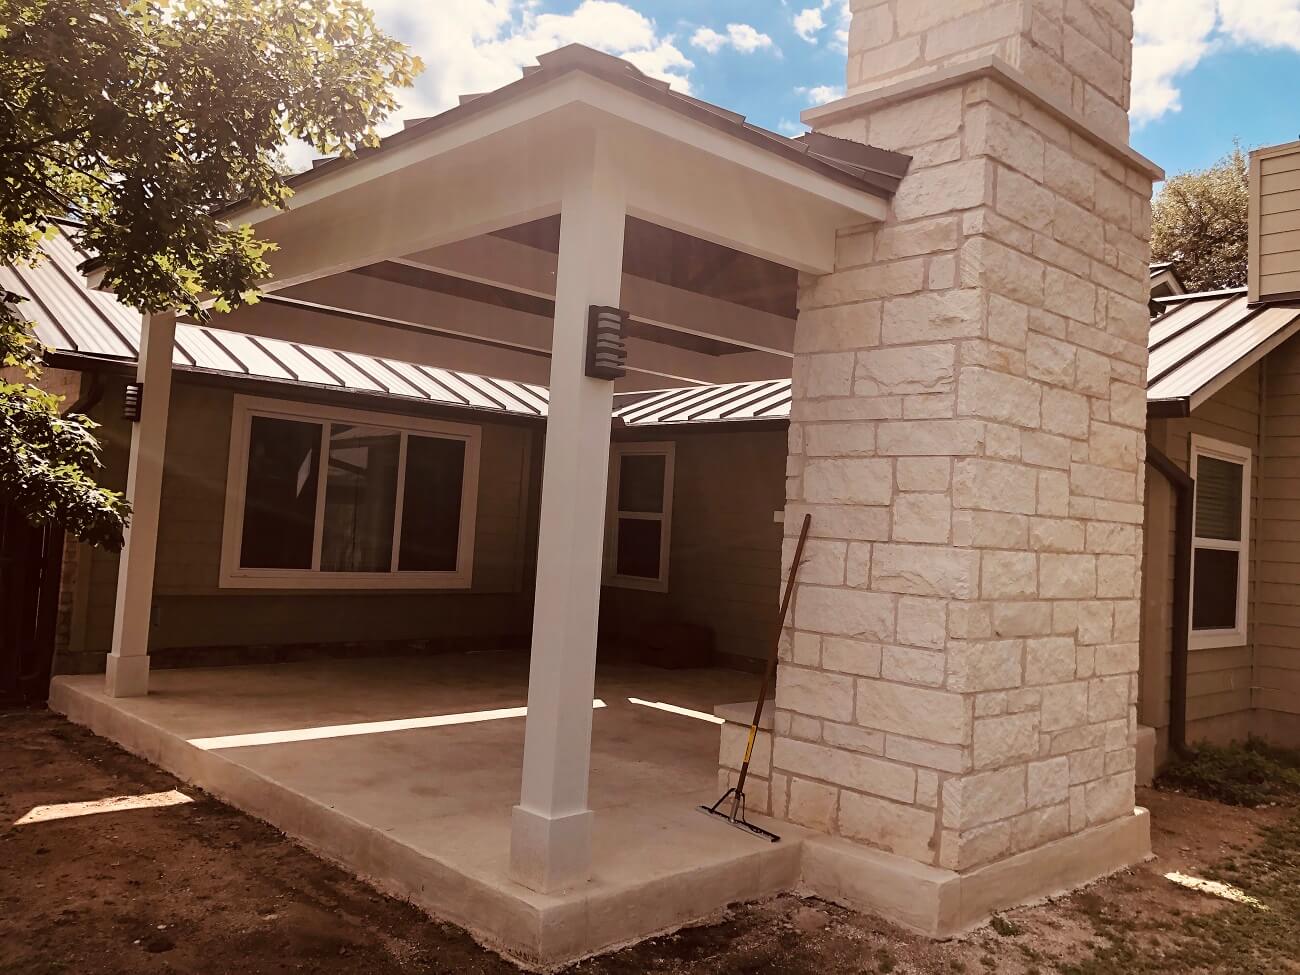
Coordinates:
x,y
142,121
1200,222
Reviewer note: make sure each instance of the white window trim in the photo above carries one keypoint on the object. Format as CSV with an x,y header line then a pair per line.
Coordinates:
x,y
234,576
1237,636
617,452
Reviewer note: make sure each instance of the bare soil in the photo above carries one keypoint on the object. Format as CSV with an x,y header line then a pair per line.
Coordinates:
x,y
202,888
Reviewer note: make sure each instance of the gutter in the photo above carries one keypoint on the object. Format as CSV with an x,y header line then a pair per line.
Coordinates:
x,y
1184,492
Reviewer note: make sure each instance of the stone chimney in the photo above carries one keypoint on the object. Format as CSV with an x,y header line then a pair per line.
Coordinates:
x,y
1080,51
956,709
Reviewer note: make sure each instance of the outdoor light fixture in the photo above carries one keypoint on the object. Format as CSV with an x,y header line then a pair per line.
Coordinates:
x,y
606,347
132,402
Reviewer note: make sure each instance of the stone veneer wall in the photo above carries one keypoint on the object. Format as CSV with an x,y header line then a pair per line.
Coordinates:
x,y
1081,51
967,432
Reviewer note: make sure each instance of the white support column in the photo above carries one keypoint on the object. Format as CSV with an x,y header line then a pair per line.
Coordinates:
x,y
128,662
550,845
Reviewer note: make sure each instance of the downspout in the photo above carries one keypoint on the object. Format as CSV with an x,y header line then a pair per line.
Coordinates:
x,y
1184,493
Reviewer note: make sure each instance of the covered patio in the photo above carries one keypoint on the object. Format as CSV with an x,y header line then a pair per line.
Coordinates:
x,y
405,770
480,240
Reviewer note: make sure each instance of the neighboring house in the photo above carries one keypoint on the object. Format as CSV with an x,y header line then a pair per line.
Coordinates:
x,y
924,326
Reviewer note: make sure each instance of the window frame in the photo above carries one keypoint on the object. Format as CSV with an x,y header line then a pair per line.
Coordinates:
x,y
234,576
1236,636
617,451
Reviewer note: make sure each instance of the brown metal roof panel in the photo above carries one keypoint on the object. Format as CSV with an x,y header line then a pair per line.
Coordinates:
x,y
1193,340
1201,370
207,349
253,357
1183,316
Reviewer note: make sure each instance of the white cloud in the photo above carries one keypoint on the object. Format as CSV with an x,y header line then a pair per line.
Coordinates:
x,y
1171,37
822,94
746,39
709,40
808,23
473,46
742,37
792,129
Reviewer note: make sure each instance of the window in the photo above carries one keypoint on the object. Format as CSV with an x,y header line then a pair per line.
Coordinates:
x,y
640,515
1221,542
319,497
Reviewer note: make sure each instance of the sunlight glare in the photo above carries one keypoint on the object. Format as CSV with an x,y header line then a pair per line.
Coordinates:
x,y
1216,889
675,709
94,807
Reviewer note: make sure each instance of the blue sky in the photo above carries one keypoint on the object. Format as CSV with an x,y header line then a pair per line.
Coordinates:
x,y
1205,71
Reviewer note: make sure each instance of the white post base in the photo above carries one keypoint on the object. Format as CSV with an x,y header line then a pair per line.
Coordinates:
x,y
549,855
127,676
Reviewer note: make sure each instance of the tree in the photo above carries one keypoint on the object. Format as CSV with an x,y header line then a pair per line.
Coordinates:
x,y
1199,222
139,122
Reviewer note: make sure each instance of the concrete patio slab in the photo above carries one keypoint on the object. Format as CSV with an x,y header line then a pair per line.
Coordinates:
x,y
405,771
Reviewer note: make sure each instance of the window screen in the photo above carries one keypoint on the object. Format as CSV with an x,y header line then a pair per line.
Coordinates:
x,y
435,470
1218,499
360,499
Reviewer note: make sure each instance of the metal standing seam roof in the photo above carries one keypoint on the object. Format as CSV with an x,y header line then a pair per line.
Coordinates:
x,y
71,318
730,402
1202,342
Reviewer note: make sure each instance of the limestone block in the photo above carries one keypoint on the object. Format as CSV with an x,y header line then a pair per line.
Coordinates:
x,y
983,797
923,622
933,316
918,120
1067,576
1022,619
1068,175
1008,322
922,570
1056,535
1048,782
905,830
814,692
995,486
845,612
851,656
930,437
731,751
970,848
840,439
910,665
1049,660
823,563
1054,494
977,29
920,238
1005,740
1009,575
1117,576
943,189
1039,826
915,18
854,738
875,280
922,518
1108,698
839,328
984,665
989,529
829,374
1110,797
996,396
1002,270
861,523
848,481
1050,361
1064,706
884,62
1095,622
932,715
942,758
812,804
923,473
901,371
863,773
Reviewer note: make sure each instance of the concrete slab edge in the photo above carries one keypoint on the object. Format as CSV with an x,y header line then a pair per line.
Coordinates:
x,y
941,903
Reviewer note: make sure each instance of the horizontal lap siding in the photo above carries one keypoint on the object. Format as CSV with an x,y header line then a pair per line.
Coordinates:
x,y
193,611
1220,681
725,551
1277,634
1276,221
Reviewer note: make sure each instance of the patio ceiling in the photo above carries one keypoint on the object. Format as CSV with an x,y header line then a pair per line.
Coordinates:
x,y
449,232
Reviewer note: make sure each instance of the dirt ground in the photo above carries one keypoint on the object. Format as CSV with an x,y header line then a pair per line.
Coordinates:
x,y
202,888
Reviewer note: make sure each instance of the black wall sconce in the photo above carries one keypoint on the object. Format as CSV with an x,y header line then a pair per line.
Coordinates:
x,y
606,346
132,402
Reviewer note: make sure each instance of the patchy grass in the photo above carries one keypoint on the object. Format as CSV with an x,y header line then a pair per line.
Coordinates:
x,y
1253,774
1236,938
